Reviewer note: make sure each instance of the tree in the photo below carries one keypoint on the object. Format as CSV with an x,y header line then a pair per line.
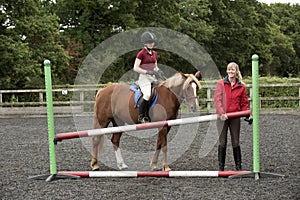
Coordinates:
x,y
286,46
85,24
66,31
28,36
238,33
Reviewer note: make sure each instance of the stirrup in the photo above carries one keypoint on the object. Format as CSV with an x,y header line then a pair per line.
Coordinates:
x,y
146,119
140,119
143,120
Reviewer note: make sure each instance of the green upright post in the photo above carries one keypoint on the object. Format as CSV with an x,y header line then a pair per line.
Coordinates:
x,y
51,135
50,117
255,114
255,127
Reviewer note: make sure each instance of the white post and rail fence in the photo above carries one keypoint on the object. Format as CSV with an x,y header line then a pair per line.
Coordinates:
x,y
83,99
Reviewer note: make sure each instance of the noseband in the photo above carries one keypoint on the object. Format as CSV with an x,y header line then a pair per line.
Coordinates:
x,y
189,97
186,98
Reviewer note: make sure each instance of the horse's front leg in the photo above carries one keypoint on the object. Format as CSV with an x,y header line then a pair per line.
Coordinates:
x,y
166,167
153,164
161,145
116,143
164,139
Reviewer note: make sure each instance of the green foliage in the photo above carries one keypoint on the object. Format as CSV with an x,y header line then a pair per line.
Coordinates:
x,y
28,36
276,79
66,31
17,67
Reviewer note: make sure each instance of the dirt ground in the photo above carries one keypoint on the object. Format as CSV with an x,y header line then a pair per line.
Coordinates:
x,y
24,153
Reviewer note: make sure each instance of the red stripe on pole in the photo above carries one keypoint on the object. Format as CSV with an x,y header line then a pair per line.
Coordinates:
x,y
244,113
63,136
151,125
82,174
231,173
153,174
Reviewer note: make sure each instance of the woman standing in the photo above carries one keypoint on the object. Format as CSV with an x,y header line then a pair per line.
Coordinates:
x,y
146,64
230,96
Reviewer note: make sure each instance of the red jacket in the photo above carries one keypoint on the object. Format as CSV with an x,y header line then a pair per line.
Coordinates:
x,y
230,99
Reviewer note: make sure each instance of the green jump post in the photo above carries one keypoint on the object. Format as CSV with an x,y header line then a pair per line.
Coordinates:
x,y
255,114
51,135
50,117
255,128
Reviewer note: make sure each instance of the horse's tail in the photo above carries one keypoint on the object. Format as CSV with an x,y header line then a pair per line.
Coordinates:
x,y
103,138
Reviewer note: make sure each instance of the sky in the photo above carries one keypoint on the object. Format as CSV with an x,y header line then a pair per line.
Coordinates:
x,y
280,1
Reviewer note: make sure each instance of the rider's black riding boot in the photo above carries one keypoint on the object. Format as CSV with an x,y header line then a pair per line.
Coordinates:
x,y
221,157
147,117
237,158
142,112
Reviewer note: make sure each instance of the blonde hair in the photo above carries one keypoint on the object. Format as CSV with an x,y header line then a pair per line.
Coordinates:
x,y
238,72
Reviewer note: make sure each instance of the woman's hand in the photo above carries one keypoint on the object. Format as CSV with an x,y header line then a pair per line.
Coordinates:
x,y
223,117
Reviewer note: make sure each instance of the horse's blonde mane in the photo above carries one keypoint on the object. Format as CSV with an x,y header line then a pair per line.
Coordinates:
x,y
191,78
173,81
179,79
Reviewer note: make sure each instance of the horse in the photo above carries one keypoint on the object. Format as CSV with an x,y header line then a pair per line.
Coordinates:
x,y
115,104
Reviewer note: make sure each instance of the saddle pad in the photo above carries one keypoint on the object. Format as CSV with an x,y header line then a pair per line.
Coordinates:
x,y
138,95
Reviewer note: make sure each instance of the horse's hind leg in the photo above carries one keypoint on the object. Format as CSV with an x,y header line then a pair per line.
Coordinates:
x,y
95,144
98,143
115,139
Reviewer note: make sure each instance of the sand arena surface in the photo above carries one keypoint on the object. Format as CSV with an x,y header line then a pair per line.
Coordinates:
x,y
24,153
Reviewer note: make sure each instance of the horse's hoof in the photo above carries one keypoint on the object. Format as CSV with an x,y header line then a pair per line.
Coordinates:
x,y
94,165
166,168
95,168
154,167
122,166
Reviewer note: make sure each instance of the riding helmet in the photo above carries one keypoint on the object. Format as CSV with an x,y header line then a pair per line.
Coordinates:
x,y
148,37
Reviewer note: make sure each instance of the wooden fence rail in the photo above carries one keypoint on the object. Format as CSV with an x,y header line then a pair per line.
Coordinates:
x,y
81,100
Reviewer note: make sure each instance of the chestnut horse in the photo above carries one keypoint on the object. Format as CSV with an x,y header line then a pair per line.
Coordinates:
x,y
115,104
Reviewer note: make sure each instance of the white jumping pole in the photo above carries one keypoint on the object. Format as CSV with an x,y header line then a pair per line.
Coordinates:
x,y
133,174
135,127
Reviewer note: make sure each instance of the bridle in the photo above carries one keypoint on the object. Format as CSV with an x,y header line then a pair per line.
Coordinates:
x,y
182,97
186,98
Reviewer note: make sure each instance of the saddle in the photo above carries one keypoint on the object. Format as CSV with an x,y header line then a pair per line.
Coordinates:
x,y
138,95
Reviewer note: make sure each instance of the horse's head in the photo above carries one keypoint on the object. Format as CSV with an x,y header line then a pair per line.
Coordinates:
x,y
185,87
190,90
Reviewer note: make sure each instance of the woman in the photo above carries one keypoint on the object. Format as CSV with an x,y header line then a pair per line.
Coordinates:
x,y
230,96
146,64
